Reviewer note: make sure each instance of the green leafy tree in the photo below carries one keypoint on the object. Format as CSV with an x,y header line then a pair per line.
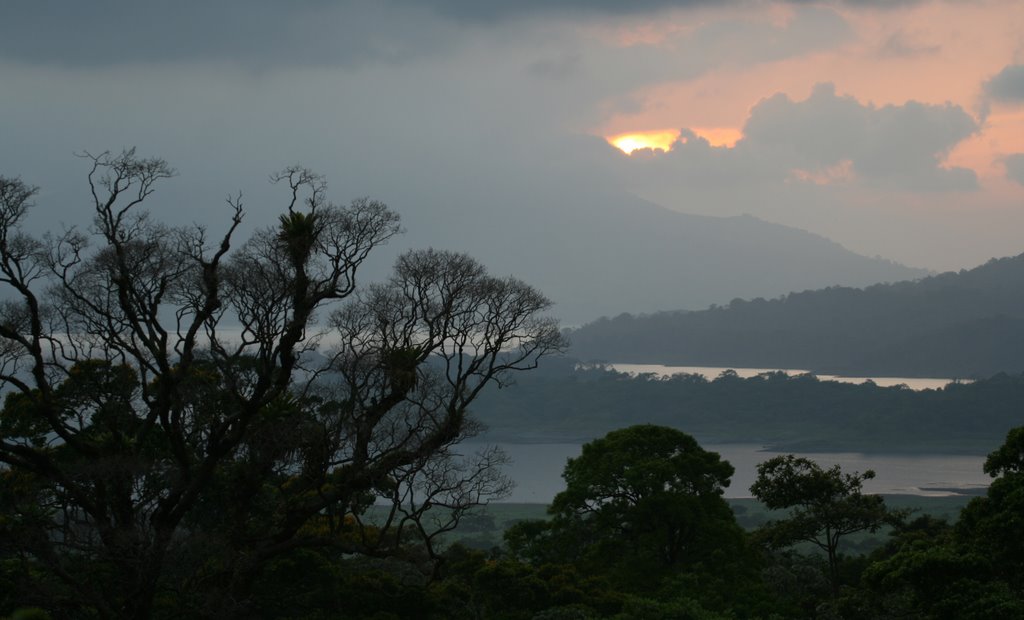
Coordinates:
x,y
993,525
974,569
171,428
640,503
823,506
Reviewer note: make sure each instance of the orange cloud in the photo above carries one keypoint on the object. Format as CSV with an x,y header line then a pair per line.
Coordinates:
x,y
1002,135
946,51
719,136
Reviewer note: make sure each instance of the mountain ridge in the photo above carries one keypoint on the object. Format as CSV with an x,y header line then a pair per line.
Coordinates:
x,y
954,324
598,252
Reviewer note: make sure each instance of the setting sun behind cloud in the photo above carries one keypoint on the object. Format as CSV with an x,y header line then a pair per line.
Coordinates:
x,y
663,139
636,140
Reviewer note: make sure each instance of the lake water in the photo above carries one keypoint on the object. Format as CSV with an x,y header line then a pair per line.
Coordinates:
x,y
710,372
537,470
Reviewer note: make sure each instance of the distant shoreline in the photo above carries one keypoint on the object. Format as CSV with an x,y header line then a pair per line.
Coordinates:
x,y
710,372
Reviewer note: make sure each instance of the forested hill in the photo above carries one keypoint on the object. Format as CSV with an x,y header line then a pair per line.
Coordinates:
x,y
563,401
962,324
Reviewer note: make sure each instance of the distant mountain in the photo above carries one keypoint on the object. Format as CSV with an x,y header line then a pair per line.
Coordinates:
x,y
599,253
962,324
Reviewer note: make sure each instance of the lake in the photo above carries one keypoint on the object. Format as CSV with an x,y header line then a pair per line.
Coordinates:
x,y
710,372
537,470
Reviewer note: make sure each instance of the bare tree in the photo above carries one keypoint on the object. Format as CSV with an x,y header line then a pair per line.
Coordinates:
x,y
142,434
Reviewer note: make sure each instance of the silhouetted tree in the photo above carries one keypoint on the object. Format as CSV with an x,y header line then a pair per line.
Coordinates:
x,y
154,451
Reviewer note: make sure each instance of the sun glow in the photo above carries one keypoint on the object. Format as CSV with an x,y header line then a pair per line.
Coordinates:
x,y
663,139
634,141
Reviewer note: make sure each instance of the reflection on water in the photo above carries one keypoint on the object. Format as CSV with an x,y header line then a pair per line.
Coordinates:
x,y
710,372
537,470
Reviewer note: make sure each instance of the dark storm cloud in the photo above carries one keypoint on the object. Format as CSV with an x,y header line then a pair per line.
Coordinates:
x,y
1008,85
255,33
261,33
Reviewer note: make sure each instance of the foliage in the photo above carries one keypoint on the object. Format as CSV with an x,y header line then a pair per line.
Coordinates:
x,y
643,505
30,613
171,430
993,525
647,491
928,569
1008,459
824,506
972,569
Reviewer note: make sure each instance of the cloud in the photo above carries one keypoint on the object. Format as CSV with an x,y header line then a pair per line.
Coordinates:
x,y
398,100
896,146
616,74
252,33
903,45
751,41
1007,86
828,138
494,10
266,33
560,68
1015,167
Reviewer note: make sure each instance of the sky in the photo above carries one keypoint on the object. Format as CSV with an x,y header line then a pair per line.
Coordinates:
x,y
893,128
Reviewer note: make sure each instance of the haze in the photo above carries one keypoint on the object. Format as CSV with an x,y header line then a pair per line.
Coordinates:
x,y
893,129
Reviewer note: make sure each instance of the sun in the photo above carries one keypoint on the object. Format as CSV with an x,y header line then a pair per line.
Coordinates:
x,y
658,139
